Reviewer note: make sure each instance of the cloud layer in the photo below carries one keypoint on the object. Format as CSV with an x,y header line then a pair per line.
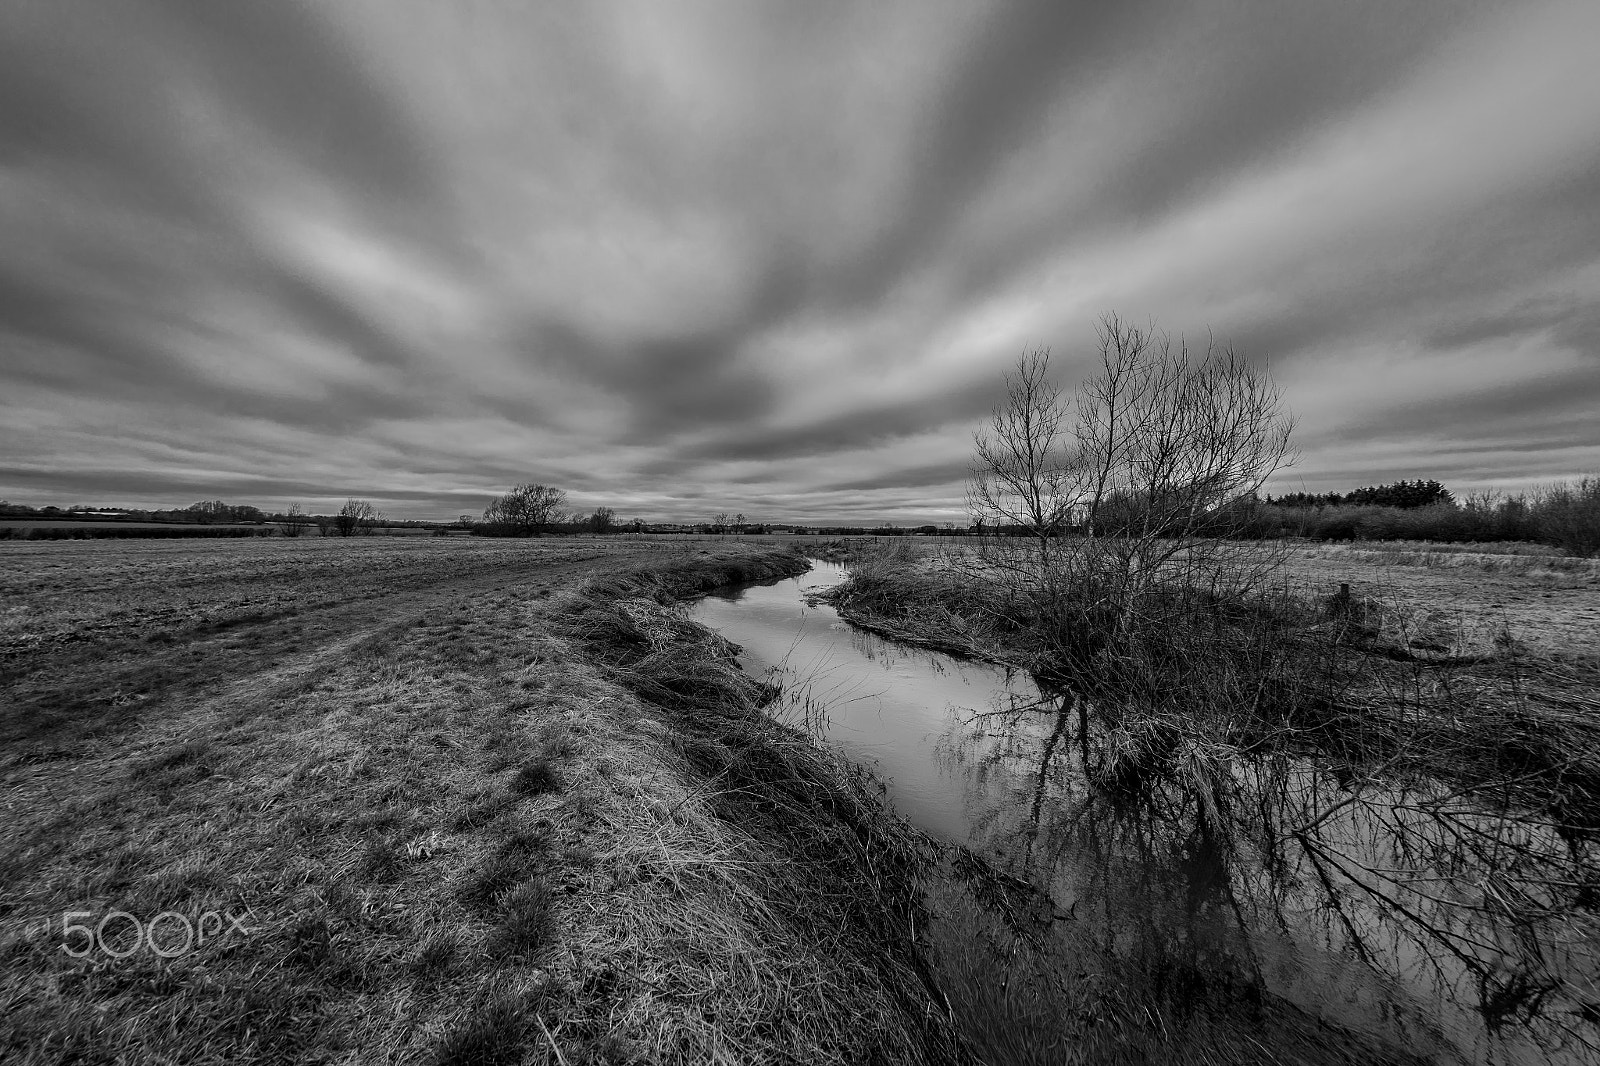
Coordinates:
x,y
690,257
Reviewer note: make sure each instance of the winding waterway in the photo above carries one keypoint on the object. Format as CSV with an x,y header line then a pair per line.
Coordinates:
x,y
1281,908
886,705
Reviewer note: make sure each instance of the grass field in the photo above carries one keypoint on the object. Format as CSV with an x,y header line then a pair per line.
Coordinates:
x,y
425,801
1550,603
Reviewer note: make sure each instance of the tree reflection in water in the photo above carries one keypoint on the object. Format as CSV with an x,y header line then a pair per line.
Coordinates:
x,y
1187,895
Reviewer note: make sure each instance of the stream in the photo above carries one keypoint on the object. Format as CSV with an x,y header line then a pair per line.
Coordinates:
x,y
1267,908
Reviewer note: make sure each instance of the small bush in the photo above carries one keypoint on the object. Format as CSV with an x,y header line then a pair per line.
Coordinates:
x,y
1569,516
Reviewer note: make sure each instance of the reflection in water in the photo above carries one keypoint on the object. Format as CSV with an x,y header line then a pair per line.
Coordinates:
x,y
1181,887
1398,909
883,704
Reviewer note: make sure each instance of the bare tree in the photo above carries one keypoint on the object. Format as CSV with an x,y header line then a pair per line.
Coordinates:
x,y
1025,474
525,511
719,522
602,520
1157,461
1568,515
356,516
295,520
1179,445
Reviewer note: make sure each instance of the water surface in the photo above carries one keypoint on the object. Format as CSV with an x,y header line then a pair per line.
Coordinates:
x,y
885,704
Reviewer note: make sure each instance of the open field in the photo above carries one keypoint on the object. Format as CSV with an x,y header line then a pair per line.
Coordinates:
x,y
1549,603
425,801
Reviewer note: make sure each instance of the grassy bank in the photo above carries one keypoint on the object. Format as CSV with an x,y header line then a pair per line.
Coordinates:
x,y
517,819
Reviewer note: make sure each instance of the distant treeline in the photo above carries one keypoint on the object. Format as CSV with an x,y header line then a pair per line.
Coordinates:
x,y
204,513
210,518
1402,494
1565,516
111,531
207,512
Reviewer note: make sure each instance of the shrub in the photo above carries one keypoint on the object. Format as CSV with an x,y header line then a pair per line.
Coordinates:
x,y
1568,516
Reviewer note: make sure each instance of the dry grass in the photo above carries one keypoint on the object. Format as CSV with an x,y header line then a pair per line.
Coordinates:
x,y
464,824
760,849
913,594
1550,606
1536,563
1519,548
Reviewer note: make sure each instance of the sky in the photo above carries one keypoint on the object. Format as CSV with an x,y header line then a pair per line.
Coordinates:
x,y
773,258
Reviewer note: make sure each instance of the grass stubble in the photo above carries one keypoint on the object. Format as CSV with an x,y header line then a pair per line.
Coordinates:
x,y
520,825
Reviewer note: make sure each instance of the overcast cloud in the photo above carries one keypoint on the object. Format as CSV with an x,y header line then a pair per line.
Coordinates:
x,y
772,258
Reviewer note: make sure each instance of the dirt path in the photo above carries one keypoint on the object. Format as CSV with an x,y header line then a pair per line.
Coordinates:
x,y
120,639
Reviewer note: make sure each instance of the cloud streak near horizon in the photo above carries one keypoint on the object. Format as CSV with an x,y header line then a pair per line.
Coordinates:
x,y
681,258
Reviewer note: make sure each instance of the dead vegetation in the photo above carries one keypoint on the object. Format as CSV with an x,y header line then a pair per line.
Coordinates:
x,y
512,824
1532,562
